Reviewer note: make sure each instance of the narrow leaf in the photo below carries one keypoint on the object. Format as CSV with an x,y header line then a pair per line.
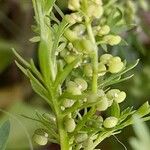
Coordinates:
x,y
4,134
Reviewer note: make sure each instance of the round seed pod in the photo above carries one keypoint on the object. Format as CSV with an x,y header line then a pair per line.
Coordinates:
x,y
105,58
74,4
101,93
88,71
49,117
82,84
104,30
121,97
40,137
115,67
101,69
73,88
68,103
81,137
110,122
69,124
91,98
70,35
112,39
103,104
70,58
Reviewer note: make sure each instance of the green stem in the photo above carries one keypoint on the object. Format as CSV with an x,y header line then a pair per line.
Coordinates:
x,y
95,51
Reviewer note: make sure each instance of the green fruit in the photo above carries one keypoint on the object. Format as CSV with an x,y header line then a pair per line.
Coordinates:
x,y
69,124
88,71
105,58
101,93
70,58
110,122
68,103
81,137
112,39
70,35
73,88
113,93
82,84
115,67
103,104
121,97
101,69
104,30
40,137
91,98
74,4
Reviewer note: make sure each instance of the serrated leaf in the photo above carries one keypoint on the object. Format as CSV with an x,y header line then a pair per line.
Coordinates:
x,y
4,134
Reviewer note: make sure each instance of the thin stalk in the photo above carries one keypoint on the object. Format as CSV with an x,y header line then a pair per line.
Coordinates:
x,y
95,51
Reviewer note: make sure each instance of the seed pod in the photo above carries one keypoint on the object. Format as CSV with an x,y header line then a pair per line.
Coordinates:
x,y
74,4
91,98
101,69
115,67
104,30
83,45
112,39
110,122
69,124
121,97
70,35
40,137
88,71
101,93
73,88
82,84
95,10
103,104
68,103
81,137
49,117
105,58
70,58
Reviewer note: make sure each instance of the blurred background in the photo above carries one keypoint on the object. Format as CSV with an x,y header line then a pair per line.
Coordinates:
x,y
16,95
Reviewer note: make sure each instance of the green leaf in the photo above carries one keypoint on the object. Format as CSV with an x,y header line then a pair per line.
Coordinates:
x,y
60,78
115,110
117,75
21,68
44,61
143,110
4,134
38,88
23,61
48,5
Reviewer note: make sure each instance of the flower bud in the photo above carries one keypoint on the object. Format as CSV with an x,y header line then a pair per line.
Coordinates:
x,y
81,137
74,4
110,122
68,103
69,124
82,84
101,69
40,137
105,58
112,39
70,35
88,71
104,30
103,104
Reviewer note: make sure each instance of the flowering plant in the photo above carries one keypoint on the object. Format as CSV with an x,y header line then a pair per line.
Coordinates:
x,y
76,73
